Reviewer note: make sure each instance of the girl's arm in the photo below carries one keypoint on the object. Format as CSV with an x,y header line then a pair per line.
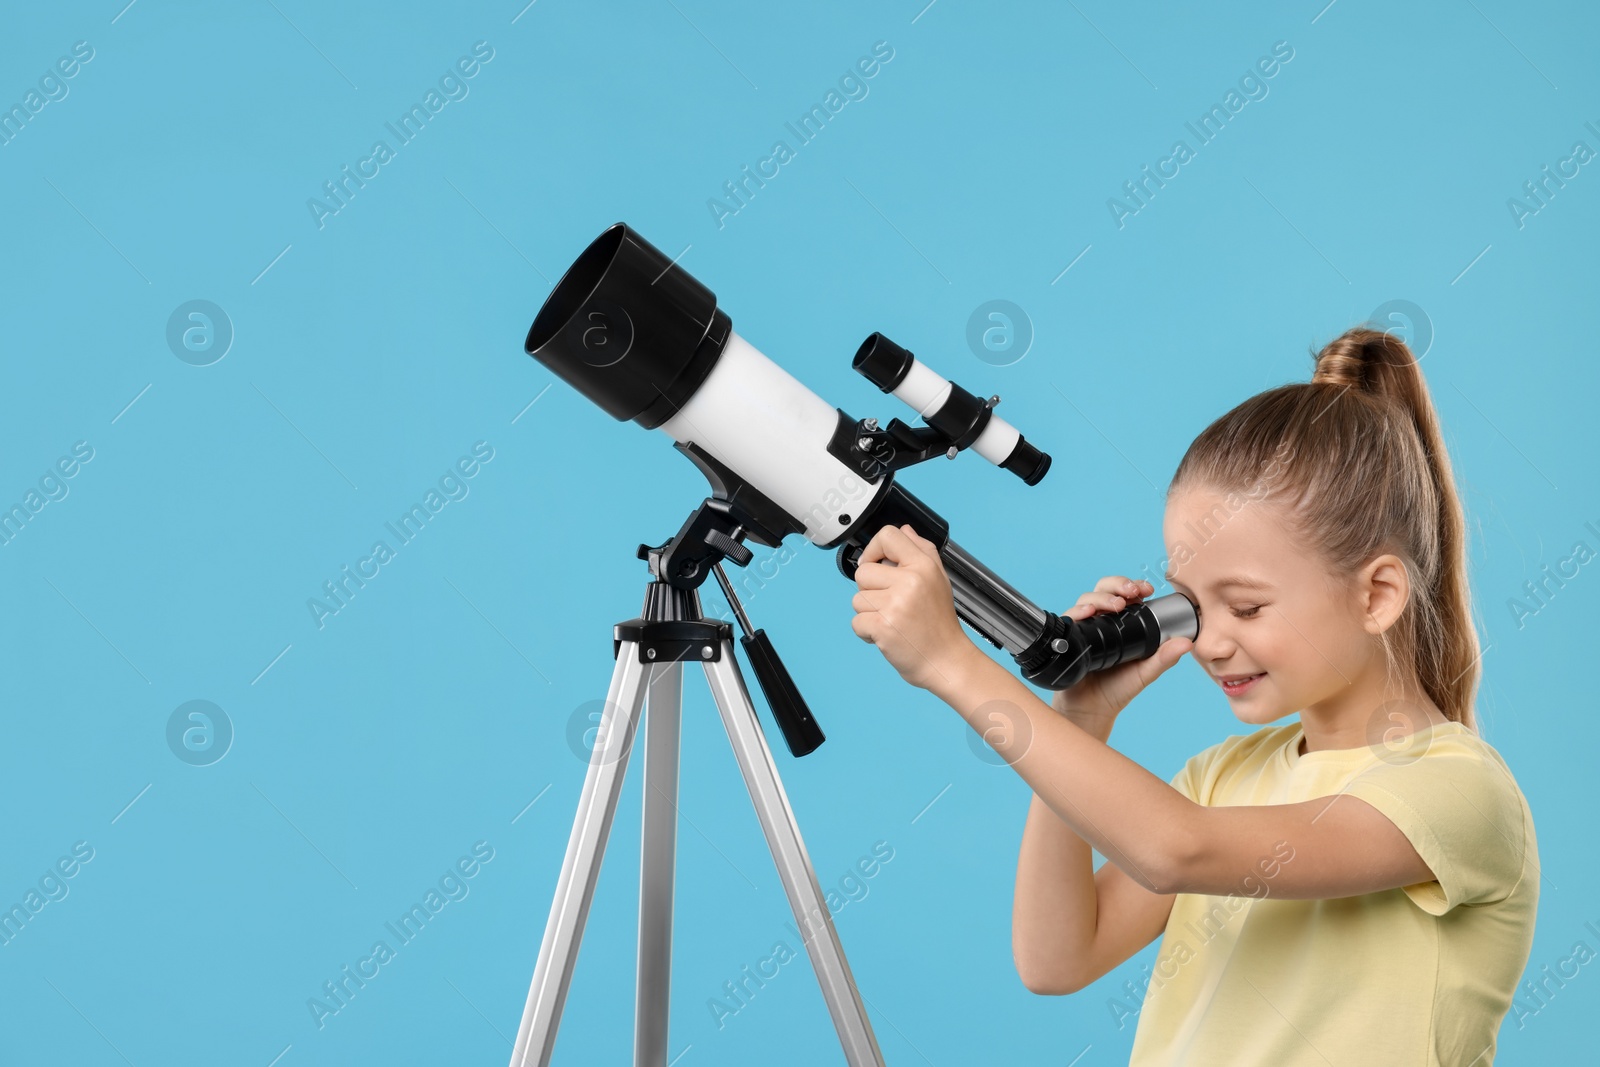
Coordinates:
x,y
1070,924
1160,839
1136,820
1163,841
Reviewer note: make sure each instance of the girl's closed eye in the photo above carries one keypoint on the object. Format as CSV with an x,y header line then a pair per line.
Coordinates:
x,y
1246,613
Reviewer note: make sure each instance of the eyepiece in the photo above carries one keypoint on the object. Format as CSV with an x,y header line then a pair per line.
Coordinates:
x,y
1175,615
1027,462
1067,651
883,362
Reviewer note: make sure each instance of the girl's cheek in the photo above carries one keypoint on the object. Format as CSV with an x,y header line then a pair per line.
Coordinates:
x,y
1271,649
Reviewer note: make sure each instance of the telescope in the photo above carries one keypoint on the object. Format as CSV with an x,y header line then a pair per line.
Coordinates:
x,y
639,336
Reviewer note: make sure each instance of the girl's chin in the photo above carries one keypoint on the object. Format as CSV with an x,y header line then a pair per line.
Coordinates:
x,y
1258,714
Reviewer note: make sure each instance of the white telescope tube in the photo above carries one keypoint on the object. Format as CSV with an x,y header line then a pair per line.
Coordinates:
x,y
752,416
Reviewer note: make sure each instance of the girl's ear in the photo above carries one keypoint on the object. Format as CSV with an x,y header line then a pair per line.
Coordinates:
x,y
1384,587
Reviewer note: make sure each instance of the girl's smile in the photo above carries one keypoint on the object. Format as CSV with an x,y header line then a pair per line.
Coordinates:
x,y
1239,684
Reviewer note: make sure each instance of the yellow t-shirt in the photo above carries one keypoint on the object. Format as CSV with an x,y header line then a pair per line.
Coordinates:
x,y
1410,977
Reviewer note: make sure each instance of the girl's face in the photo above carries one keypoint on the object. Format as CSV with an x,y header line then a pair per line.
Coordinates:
x,y
1268,608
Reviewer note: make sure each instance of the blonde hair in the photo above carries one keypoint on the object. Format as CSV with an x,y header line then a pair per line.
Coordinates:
x,y
1369,475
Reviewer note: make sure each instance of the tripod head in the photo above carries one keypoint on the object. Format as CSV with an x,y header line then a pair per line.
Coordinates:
x,y
672,610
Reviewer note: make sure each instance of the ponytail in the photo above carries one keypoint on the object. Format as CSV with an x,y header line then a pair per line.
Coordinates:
x,y
1370,475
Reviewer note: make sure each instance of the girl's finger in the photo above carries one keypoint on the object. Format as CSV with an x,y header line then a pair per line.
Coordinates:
x,y
1130,588
921,542
1114,583
1105,601
875,575
889,543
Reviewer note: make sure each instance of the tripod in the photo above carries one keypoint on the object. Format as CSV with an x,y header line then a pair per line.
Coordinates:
x,y
650,652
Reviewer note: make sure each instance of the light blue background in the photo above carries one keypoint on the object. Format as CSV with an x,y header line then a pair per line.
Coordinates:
x,y
373,352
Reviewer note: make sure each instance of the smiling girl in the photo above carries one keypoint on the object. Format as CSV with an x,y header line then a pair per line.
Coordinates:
x,y
1357,885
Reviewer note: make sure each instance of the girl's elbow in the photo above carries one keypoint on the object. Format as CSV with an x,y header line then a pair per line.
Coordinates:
x,y
1049,985
1048,975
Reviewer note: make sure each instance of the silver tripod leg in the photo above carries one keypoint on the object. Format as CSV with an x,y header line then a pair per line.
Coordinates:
x,y
625,710
536,1037
657,865
794,866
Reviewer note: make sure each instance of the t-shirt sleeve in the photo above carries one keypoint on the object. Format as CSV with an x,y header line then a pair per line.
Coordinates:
x,y
1462,812
1184,780
1194,779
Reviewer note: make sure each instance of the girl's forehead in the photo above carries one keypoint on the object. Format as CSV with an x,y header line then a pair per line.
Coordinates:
x,y
1211,535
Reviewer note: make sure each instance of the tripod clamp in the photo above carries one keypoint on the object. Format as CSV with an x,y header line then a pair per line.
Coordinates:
x,y
671,627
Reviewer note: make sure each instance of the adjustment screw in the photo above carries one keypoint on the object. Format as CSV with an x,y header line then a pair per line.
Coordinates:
x,y
994,401
705,652
871,424
951,453
864,443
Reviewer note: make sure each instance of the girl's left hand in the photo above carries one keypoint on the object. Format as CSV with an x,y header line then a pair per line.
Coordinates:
x,y
904,606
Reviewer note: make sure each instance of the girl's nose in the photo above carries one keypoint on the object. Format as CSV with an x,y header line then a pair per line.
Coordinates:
x,y
1215,642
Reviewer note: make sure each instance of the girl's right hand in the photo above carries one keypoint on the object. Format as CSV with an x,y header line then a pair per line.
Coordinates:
x,y
1096,700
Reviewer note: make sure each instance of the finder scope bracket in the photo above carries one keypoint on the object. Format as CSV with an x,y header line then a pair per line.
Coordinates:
x,y
955,417
876,451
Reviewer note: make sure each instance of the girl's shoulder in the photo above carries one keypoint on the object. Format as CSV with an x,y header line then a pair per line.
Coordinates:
x,y
1454,752
1233,754
1257,744
1456,756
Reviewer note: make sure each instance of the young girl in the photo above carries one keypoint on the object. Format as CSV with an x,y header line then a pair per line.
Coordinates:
x,y
1357,886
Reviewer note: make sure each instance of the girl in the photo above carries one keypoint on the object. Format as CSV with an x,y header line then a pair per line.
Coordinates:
x,y
1356,886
